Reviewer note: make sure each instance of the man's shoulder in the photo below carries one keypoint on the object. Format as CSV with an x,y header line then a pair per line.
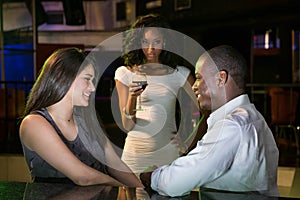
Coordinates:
x,y
183,69
246,116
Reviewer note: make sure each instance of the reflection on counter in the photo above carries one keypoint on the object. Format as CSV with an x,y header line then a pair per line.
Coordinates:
x,y
40,191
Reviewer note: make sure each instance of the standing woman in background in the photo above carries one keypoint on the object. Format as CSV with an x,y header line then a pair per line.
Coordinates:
x,y
150,133
61,137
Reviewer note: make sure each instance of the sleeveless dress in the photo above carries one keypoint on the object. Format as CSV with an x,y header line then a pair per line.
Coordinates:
x,y
41,171
149,142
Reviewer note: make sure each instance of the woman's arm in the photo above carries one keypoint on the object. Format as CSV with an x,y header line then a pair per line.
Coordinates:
x,y
38,135
202,125
127,103
188,114
119,170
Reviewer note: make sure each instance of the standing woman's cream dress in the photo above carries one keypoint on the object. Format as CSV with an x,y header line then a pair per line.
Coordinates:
x,y
149,142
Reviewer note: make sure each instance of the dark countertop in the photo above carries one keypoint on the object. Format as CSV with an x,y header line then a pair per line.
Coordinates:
x,y
40,191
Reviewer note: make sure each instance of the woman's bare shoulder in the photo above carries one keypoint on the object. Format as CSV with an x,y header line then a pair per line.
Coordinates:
x,y
33,120
32,124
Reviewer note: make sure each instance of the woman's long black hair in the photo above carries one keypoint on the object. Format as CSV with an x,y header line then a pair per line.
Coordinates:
x,y
55,79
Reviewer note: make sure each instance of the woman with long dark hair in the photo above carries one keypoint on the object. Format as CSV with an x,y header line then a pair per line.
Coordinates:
x,y
61,136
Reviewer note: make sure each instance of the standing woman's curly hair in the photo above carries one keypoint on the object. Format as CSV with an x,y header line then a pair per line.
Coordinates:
x,y
133,53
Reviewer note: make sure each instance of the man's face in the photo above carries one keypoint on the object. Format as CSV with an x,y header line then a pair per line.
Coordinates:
x,y
206,84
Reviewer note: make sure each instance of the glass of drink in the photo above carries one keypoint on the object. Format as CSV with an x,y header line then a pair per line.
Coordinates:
x,y
140,79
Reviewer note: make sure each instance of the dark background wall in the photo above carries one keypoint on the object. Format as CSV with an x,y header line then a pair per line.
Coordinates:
x,y
233,22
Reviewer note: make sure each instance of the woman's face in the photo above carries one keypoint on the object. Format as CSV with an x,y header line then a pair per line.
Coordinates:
x,y
83,86
152,44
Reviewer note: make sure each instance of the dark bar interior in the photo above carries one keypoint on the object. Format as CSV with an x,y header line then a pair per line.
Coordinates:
x,y
267,33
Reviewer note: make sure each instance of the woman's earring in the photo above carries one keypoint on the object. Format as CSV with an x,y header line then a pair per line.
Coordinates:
x,y
164,44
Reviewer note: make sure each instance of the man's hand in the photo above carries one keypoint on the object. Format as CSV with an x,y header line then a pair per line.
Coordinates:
x,y
146,178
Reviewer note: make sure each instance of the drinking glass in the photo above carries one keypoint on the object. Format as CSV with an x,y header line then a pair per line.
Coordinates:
x,y
141,80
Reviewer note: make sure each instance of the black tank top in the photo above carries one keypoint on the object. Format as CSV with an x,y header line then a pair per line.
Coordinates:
x,y
41,171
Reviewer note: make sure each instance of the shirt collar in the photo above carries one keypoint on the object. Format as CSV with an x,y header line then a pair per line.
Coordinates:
x,y
221,112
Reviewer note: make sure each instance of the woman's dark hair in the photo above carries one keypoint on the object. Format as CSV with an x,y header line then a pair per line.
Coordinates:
x,y
133,53
56,77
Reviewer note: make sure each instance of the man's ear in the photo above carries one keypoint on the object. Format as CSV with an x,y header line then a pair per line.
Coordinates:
x,y
222,78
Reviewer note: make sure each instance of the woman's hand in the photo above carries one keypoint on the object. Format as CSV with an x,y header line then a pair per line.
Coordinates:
x,y
135,89
129,193
178,141
126,193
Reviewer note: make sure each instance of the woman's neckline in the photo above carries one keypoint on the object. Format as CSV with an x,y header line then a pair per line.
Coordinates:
x,y
161,70
56,123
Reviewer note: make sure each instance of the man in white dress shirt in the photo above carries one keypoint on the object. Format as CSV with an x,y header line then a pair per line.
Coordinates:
x,y
238,152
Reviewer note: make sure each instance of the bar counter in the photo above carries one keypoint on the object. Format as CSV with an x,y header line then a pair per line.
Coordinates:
x,y
40,191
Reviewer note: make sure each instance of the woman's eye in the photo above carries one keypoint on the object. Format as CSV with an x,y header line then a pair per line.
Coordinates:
x,y
144,42
157,42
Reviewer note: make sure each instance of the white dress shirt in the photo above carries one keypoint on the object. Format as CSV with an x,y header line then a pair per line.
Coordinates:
x,y
238,153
